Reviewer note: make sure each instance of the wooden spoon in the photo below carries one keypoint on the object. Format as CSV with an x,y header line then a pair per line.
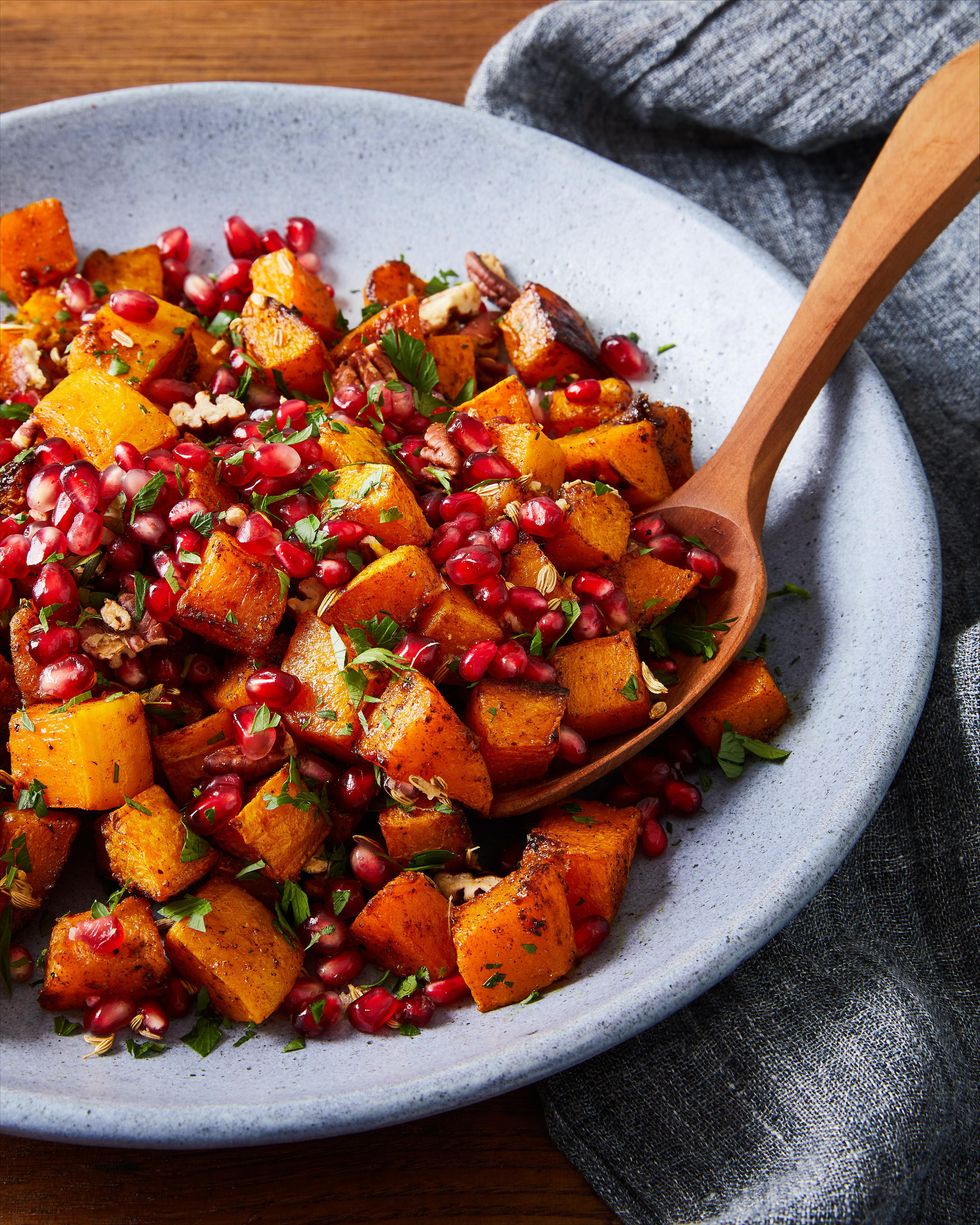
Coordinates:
x,y
926,173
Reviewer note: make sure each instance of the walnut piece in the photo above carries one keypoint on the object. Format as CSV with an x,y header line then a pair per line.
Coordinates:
x,y
456,302
206,412
463,886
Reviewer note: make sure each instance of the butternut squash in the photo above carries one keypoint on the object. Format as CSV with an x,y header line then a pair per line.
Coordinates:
x,y
136,353
532,453
282,342
596,528
516,726
506,400
398,583
181,753
412,833
596,844
455,358
402,316
42,842
35,248
141,268
281,276
546,338
380,499
405,927
747,697
652,586
606,693
565,417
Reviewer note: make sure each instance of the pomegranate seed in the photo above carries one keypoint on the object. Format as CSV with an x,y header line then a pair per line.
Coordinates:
x,y
192,455
588,624
417,1010
272,686
682,797
509,661
132,673
373,1010
6,593
668,548
593,586
295,560
503,533
474,662
447,991
123,555
455,504
653,838
346,897
80,481
469,434
62,515
103,935
161,600
589,934
77,294
651,807
258,537
356,788
624,357
315,1018
616,611
242,240
584,391
54,451
50,645
350,399
648,774
13,556
201,293
483,467
46,542
148,528
66,678
7,451
471,565
174,244
300,233
291,414
621,795
177,999
491,595
705,563
254,744
446,540
272,240
200,670
236,275
43,489
133,305
214,808
341,969
224,383
334,572
164,669
174,275
541,516
154,1021
325,932
85,533
527,604
55,585
370,867
540,671
345,533
572,747
291,510
303,991
21,964
647,527
160,460
109,1015
472,526
277,459
420,653
550,625
131,459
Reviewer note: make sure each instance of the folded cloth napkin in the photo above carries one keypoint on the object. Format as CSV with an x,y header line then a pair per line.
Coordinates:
x,y
833,1076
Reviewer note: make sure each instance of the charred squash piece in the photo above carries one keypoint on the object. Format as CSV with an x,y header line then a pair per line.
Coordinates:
x,y
652,586
408,834
390,282
398,583
247,966
232,598
144,842
532,453
44,844
622,455
673,426
141,268
747,697
506,399
73,971
606,693
516,726
564,417
596,528
526,565
284,343
281,276
517,938
455,622
27,672
181,753
546,338
379,498
136,353
35,249
455,358
342,444
405,927
401,316
413,732
227,690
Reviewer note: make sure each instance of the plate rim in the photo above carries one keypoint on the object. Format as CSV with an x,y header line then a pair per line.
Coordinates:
x,y
171,1127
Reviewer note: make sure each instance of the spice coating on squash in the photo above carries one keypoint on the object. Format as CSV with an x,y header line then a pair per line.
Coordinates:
x,y
399,583
282,342
423,829
747,697
377,497
596,527
47,841
281,276
181,753
144,849
136,353
140,268
405,927
606,693
35,248
400,316
516,725
546,338
506,399
564,416
652,586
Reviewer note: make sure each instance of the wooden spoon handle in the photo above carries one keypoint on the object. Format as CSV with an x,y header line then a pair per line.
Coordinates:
x,y
926,173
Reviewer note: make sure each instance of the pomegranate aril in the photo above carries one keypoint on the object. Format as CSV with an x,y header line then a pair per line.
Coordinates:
x,y
303,991
161,600
20,964
243,242
355,788
345,533
705,563
509,661
54,451
589,623
55,585
373,1010
102,935
277,459
447,991
254,744
419,652
334,572
475,661
542,517
6,592
77,294
43,490
315,1019
345,896
589,934
503,533
324,931
446,540
111,1014
66,678
341,969
593,586
46,542
572,747
50,645
648,774
148,528
258,537
273,687
236,275
616,611
621,795
271,240
151,1020
469,434
550,625
174,244
472,565
224,382
80,481
417,1010
291,414
85,533
371,867
491,595
624,357
133,305
290,510
484,467
584,391
653,838
201,293
13,556
540,671
131,459
174,275
647,527
295,560
682,797
214,808
200,670
668,548
651,807
123,555
527,604
300,233
311,262
177,998
455,504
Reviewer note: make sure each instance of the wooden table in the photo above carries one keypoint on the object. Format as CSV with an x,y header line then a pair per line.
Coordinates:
x,y
492,1162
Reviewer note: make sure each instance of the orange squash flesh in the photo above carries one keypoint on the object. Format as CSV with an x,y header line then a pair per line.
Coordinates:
x,y
747,697
405,927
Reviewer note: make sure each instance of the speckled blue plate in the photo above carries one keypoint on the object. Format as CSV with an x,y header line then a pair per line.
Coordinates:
x,y
380,175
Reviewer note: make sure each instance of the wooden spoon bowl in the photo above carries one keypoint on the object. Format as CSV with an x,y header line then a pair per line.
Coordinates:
x,y
926,173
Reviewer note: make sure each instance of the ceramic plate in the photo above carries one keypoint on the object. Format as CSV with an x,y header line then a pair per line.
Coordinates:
x,y
381,175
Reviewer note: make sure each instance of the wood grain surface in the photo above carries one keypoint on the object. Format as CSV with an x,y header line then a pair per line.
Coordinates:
x,y
492,1162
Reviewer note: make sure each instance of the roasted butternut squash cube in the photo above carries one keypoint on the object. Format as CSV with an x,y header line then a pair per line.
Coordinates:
x,y
88,756
526,565
390,282
673,426
205,486
596,528
281,276
136,353
232,598
506,399
144,843
22,368
405,927
35,249
400,316
606,693
342,444
93,411
282,824
413,732
408,834
27,672
227,690
136,969
516,727
532,453
379,498
564,417
747,697
516,938
141,268
455,622
323,713
246,964
455,358
44,313
281,341
652,586
43,843
546,338
398,583
597,844
622,455
181,753
210,353
497,496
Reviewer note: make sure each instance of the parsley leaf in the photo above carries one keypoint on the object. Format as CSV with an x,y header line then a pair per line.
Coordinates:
x,y
411,359
190,909
790,589
194,847
205,1035
734,746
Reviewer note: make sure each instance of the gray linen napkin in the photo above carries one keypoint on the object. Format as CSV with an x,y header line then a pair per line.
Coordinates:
x,y
833,1076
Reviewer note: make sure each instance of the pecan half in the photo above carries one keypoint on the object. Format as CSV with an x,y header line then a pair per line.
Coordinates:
x,y
487,274
439,451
